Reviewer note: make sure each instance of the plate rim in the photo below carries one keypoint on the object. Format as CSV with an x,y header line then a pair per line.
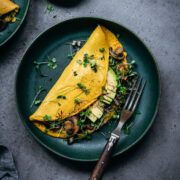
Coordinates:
x,y
96,18
14,32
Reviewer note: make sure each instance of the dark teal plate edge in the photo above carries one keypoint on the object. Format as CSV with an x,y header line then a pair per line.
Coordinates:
x,y
27,7
158,100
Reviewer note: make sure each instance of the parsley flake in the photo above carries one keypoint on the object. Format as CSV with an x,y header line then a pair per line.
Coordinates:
x,y
75,73
79,61
61,96
77,101
102,50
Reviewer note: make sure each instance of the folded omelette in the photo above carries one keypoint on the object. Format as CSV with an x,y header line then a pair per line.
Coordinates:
x,y
7,6
71,87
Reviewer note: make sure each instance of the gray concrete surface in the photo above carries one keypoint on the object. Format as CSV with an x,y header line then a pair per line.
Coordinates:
x,y
157,156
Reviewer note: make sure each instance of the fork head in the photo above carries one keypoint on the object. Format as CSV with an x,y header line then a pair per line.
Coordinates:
x,y
130,104
132,100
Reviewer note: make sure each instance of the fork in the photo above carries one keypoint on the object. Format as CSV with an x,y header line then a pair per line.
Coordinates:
x,y
127,112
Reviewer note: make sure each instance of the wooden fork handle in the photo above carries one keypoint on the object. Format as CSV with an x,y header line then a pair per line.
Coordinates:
x,y
104,159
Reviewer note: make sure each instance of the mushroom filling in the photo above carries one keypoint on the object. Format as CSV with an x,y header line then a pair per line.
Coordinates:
x,y
117,54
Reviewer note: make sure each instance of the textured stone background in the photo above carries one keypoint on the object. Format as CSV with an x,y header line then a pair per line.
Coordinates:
x,y
157,156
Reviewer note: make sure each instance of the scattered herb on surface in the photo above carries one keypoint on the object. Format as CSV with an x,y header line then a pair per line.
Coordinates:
x,y
49,8
46,117
59,104
118,35
70,56
127,127
102,50
75,73
115,116
100,97
61,96
40,89
46,130
94,66
123,89
51,63
102,58
85,62
104,89
77,101
138,112
83,88
37,102
79,61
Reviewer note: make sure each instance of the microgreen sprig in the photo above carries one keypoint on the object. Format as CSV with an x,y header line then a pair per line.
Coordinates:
x,y
51,64
35,101
83,88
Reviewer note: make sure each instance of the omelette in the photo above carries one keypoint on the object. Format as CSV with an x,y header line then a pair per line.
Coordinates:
x,y
8,10
86,94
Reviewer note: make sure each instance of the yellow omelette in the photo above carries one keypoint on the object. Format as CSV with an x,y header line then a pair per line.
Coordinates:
x,y
7,6
67,86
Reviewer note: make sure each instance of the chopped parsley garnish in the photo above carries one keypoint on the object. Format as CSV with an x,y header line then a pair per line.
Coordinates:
x,y
118,78
77,101
59,104
50,8
115,116
70,56
127,127
85,62
102,57
87,112
131,65
123,89
83,88
54,16
53,125
138,112
87,91
94,66
104,89
87,59
79,61
91,56
100,97
87,136
37,102
117,35
61,96
110,59
102,50
75,73
46,117
46,130
118,72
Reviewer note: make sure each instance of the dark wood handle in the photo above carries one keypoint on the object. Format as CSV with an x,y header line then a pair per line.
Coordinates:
x,y
104,159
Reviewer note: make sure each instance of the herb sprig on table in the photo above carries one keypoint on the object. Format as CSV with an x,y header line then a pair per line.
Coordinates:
x,y
83,88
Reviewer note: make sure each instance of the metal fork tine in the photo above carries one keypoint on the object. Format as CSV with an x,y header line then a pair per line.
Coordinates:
x,y
137,100
127,101
132,100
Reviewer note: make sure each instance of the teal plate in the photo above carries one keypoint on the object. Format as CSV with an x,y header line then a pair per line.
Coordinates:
x,y
12,28
52,43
